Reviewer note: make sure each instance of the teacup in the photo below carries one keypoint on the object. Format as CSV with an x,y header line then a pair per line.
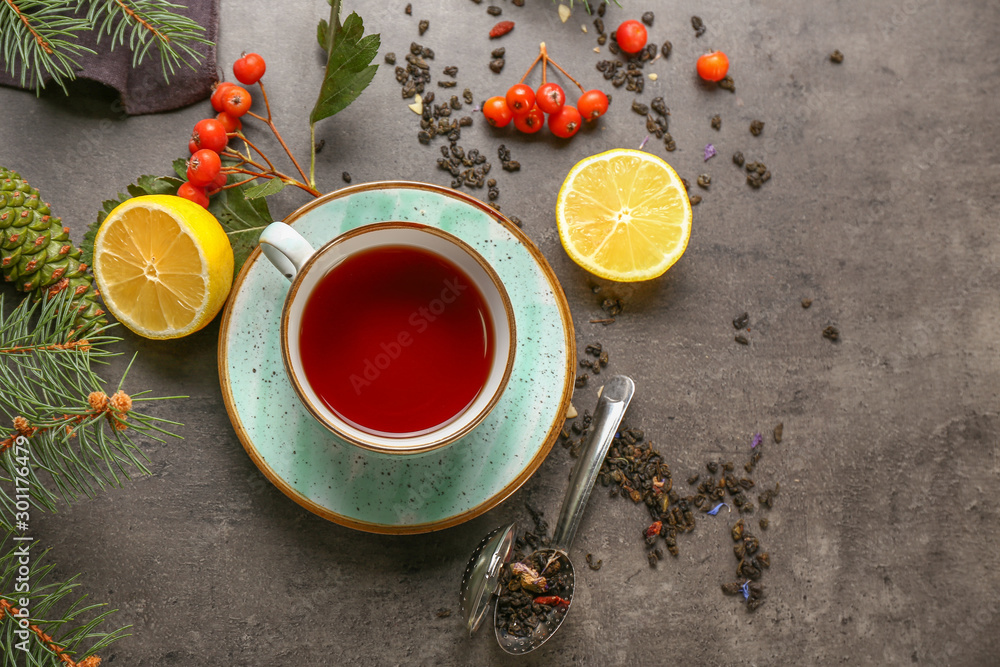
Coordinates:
x,y
396,336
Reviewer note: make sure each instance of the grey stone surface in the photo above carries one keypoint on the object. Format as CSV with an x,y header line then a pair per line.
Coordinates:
x,y
882,208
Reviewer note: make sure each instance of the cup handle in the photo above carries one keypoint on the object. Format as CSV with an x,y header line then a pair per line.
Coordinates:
x,y
285,248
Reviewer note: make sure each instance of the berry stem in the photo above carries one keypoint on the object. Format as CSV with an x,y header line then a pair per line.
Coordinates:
x,y
235,185
274,129
269,175
543,53
259,151
556,65
533,63
243,159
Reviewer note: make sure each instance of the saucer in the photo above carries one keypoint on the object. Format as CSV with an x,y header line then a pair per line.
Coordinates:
x,y
385,493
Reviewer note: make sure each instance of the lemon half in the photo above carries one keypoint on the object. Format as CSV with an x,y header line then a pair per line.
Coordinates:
x,y
163,264
624,215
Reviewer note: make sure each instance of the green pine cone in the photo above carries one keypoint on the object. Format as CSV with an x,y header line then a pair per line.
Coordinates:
x,y
36,253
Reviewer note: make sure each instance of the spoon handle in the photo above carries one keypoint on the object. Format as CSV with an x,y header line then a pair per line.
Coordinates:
x,y
608,415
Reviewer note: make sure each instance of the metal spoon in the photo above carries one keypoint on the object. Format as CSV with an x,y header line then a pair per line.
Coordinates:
x,y
608,415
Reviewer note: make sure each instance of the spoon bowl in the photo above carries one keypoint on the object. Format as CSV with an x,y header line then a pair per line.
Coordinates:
x,y
552,619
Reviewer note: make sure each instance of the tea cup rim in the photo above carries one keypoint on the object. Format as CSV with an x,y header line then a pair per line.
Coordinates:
x,y
362,440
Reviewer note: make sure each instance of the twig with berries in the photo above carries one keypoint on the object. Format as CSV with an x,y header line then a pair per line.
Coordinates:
x,y
527,107
213,160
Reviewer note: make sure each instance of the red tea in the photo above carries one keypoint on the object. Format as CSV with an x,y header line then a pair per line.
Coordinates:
x,y
396,340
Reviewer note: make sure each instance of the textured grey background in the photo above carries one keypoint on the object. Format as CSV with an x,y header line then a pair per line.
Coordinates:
x,y
882,208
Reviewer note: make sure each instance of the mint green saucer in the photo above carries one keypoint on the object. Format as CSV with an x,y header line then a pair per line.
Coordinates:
x,y
400,493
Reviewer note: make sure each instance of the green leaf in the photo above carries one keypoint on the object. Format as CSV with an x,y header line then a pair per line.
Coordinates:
x,y
323,33
348,68
265,189
181,168
243,219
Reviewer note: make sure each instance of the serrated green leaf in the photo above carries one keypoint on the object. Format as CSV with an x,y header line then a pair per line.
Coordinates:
x,y
181,168
266,189
243,219
348,68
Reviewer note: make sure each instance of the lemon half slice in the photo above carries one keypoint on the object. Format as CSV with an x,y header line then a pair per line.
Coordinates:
x,y
163,264
624,215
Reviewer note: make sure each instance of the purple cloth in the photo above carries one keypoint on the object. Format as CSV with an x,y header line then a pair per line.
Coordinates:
x,y
143,89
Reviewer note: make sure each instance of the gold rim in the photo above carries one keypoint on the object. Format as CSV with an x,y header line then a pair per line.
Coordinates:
x,y
489,503
484,411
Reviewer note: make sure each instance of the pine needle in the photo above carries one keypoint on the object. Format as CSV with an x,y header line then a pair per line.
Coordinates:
x,y
145,23
46,385
39,38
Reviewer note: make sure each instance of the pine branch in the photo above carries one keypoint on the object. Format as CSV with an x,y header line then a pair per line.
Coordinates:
x,y
38,38
146,23
59,624
79,434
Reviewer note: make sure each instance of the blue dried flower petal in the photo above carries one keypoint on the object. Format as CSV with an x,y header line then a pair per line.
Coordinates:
x,y
746,589
715,510
709,151
757,439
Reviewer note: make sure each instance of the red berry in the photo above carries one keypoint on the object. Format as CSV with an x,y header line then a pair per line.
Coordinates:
x,y
217,94
592,104
550,97
530,122
713,66
497,112
565,122
208,133
219,181
236,101
193,193
520,99
631,36
229,121
203,167
249,68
